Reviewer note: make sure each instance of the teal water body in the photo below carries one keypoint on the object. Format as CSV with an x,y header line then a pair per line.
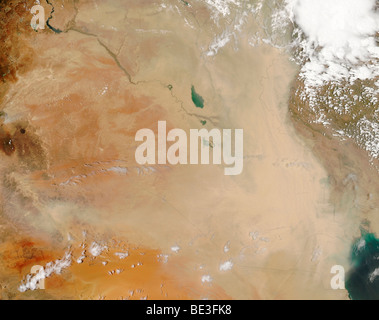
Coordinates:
x,y
361,282
51,17
197,99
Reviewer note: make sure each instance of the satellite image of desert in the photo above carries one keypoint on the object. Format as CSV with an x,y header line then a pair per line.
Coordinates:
x,y
189,150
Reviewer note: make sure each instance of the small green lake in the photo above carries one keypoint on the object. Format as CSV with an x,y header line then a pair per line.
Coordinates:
x,y
196,98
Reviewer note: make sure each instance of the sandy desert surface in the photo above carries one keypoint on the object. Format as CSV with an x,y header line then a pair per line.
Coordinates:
x,y
72,192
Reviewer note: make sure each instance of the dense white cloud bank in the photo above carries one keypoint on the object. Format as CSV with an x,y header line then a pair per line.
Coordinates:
x,y
345,28
340,39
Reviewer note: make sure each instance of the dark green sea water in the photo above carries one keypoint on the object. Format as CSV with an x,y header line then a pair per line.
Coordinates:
x,y
364,260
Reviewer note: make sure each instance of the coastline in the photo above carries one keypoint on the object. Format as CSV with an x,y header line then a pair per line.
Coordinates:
x,y
273,232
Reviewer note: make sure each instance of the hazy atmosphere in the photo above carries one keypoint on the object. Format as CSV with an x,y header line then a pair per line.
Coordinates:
x,y
295,82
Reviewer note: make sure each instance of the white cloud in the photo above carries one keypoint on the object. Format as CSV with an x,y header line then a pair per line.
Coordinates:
x,y
228,265
219,42
96,249
175,249
340,38
122,255
206,278
32,281
374,275
222,6
343,25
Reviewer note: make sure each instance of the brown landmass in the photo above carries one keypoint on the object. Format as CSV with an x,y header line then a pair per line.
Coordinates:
x,y
71,105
